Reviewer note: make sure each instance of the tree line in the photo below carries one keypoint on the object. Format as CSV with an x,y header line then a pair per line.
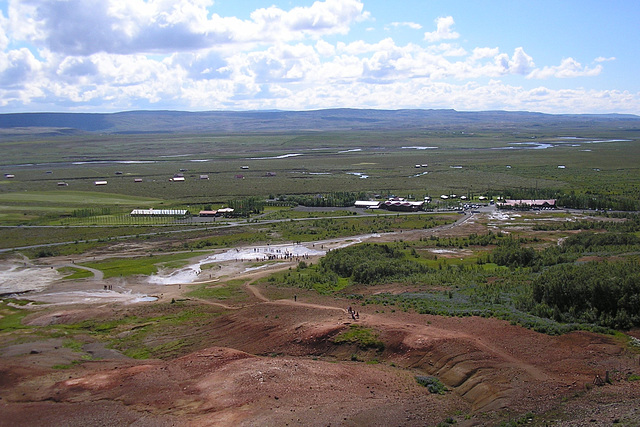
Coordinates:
x,y
336,199
572,200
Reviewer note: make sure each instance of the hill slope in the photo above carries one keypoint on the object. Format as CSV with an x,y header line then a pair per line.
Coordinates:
x,y
319,120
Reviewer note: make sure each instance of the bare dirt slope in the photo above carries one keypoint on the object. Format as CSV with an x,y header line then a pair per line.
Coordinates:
x,y
274,363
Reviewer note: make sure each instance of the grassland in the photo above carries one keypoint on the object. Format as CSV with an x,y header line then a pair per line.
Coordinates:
x,y
122,267
325,162
486,163
587,161
415,275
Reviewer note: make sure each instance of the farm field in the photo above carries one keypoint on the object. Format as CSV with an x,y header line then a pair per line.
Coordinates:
x,y
251,320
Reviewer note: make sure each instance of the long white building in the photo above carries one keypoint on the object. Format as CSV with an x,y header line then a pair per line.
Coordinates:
x,y
159,212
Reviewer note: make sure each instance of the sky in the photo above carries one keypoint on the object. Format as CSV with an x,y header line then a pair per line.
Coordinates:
x,y
568,56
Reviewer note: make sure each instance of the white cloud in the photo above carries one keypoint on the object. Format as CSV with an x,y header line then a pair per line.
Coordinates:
x,y
483,52
603,59
361,47
519,63
280,63
422,93
4,39
161,26
447,49
326,17
325,49
203,64
568,68
178,54
17,67
443,30
412,25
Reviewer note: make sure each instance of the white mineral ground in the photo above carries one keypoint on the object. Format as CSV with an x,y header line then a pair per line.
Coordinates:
x,y
45,284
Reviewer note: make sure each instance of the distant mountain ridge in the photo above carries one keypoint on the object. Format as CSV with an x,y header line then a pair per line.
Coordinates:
x,y
145,121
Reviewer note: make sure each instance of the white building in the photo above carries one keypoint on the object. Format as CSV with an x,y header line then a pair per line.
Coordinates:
x,y
367,204
159,212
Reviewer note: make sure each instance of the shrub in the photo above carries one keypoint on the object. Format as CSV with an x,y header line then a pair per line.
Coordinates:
x,y
432,384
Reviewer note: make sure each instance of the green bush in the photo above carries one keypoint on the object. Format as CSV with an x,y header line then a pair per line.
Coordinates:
x,y
432,384
371,263
604,293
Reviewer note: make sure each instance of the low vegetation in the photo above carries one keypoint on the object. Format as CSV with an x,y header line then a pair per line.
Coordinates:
x,y
364,338
433,384
231,292
549,288
147,265
10,315
590,280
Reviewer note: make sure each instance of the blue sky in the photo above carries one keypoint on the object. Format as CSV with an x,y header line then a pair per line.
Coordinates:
x,y
569,56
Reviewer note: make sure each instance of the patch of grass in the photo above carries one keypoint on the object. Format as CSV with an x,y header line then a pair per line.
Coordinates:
x,y
137,353
527,418
633,377
220,292
11,317
80,239
80,198
365,338
73,273
290,213
19,302
171,349
61,366
179,320
229,239
73,345
116,267
73,363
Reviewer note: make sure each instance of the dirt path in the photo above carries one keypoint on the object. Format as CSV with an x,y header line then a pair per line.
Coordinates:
x,y
417,332
219,304
306,304
255,291
430,332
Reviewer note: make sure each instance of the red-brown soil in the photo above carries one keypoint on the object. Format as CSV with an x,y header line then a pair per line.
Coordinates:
x,y
274,363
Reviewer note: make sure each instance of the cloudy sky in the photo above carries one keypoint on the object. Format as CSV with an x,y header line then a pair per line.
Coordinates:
x,y
554,56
